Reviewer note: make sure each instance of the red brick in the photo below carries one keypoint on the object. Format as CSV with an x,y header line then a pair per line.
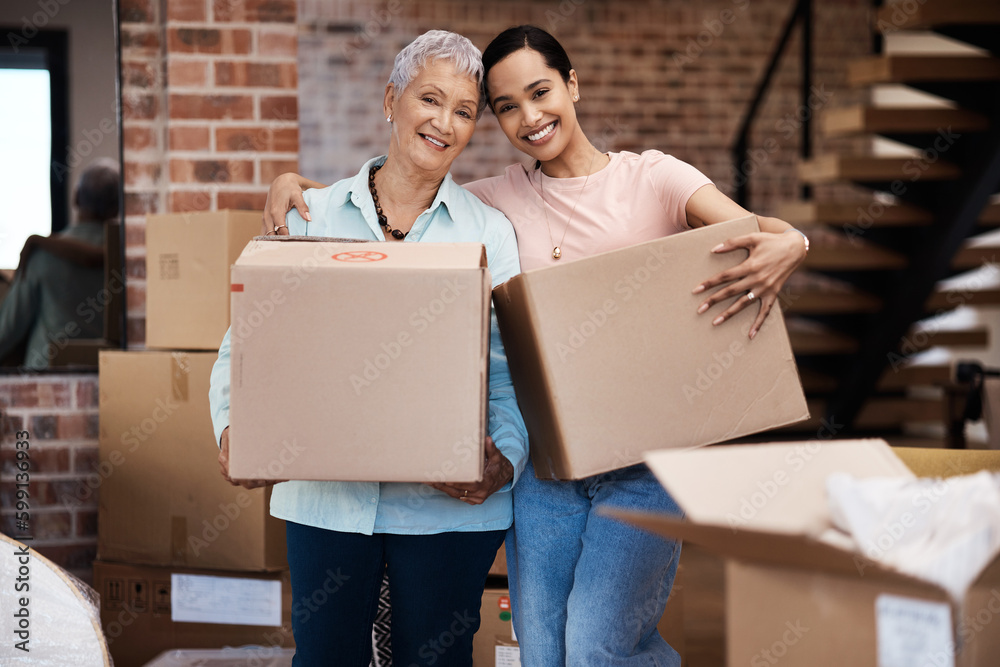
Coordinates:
x,y
138,74
10,424
211,171
73,557
208,40
43,427
254,11
187,10
85,459
137,138
284,107
260,139
135,267
51,525
188,138
256,75
243,201
187,73
277,43
139,40
211,106
139,106
136,11
71,427
53,394
142,173
136,329
87,394
271,169
140,203
136,296
42,459
86,523
182,201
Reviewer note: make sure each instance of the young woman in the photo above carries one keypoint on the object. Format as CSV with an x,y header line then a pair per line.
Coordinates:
x,y
588,590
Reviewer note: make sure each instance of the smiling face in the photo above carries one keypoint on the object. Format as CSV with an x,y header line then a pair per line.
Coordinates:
x,y
433,118
533,104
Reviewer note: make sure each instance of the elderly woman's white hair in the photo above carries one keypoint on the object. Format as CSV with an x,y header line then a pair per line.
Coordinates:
x,y
439,45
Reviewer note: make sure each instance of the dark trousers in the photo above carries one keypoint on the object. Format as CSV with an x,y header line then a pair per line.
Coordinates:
x,y
435,588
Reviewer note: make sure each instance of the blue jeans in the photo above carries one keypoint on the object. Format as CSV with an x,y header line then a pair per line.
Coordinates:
x,y
435,588
587,589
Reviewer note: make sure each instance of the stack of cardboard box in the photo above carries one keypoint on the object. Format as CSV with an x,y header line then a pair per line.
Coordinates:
x,y
185,560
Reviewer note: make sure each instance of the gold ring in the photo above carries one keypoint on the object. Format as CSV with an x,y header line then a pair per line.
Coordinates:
x,y
279,227
465,494
750,296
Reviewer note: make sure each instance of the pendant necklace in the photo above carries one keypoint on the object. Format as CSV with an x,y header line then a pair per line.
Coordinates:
x,y
557,247
382,220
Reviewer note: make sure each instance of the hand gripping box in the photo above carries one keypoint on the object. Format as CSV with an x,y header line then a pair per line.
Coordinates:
x,y
795,594
610,358
359,362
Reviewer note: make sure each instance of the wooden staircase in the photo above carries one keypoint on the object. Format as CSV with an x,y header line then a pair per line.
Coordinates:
x,y
893,275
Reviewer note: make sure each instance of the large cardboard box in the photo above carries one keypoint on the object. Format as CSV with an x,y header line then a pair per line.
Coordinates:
x,y
162,499
359,362
795,597
188,256
146,610
610,358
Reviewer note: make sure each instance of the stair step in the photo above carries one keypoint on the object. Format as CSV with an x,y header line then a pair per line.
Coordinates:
x,y
863,213
978,250
813,301
809,338
913,69
834,168
902,120
879,412
849,254
936,13
978,287
915,375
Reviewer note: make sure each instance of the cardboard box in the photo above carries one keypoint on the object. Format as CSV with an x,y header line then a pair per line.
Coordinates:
x,y
610,358
499,566
359,362
142,608
495,644
162,499
188,256
793,597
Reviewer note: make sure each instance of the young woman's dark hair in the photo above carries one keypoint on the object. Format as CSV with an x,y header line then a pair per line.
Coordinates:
x,y
526,36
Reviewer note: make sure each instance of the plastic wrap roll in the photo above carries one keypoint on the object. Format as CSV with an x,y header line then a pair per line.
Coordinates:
x,y
50,618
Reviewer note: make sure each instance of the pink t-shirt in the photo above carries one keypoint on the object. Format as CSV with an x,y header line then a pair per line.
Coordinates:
x,y
635,198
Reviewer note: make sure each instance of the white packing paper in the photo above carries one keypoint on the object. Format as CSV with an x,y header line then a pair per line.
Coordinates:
x,y
196,598
944,531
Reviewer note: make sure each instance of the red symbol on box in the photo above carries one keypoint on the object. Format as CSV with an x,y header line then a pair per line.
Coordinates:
x,y
360,256
504,602
236,287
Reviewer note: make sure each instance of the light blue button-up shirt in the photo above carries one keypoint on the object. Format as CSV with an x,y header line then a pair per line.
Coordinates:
x,y
345,210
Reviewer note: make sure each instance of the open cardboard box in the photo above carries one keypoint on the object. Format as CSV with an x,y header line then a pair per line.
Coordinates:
x,y
794,598
610,357
359,362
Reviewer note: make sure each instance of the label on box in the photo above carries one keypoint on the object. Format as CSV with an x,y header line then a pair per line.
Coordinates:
x,y
170,266
913,632
507,656
198,598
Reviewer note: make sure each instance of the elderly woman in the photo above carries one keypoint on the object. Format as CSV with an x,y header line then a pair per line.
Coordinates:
x,y
436,544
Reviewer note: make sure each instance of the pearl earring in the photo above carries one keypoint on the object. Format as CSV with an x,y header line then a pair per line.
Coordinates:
x,y
389,119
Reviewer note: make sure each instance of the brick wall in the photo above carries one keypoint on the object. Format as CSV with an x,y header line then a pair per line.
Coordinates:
x,y
59,413
668,74
210,113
